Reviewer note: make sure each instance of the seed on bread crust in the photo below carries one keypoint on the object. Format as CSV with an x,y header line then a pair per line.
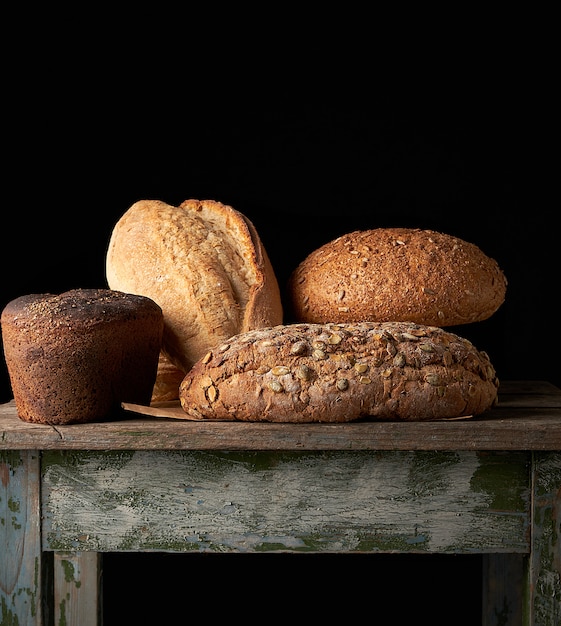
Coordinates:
x,y
388,370
393,274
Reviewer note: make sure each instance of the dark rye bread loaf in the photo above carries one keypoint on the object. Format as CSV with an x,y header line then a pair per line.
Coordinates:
x,y
340,373
396,274
76,356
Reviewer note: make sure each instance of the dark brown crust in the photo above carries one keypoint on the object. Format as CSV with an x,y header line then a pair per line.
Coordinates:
x,y
341,373
76,356
396,274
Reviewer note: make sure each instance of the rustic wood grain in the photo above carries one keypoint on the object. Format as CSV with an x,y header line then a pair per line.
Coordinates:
x,y
21,568
503,588
488,484
544,584
457,502
528,417
77,588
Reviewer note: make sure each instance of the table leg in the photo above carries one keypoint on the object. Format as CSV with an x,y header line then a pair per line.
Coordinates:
x,y
77,592
544,578
503,581
21,560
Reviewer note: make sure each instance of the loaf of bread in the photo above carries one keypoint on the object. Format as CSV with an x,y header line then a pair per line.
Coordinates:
x,y
168,379
75,357
204,263
340,373
396,274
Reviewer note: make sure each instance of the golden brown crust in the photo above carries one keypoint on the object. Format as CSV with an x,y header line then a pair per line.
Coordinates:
x,y
203,263
76,356
168,379
395,274
340,373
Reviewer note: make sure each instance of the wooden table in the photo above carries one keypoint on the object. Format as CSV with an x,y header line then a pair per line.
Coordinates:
x,y
489,485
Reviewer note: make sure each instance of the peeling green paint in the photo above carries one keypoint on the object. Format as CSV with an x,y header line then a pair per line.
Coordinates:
x,y
62,613
547,528
11,458
8,617
77,458
36,581
68,568
13,505
500,476
226,501
69,574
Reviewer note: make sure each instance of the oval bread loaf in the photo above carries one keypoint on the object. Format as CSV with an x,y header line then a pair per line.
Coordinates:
x,y
340,373
396,274
204,263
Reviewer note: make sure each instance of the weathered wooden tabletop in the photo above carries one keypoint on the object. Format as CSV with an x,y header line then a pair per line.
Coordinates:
x,y
488,484
527,417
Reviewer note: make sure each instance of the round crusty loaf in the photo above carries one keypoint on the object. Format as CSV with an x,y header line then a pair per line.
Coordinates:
x,y
396,274
75,357
340,373
205,265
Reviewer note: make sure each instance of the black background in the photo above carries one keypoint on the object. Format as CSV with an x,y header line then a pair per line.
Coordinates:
x,y
471,164
472,160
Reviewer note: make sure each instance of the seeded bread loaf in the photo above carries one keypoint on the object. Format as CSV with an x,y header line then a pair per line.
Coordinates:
x,y
340,373
75,357
396,274
204,263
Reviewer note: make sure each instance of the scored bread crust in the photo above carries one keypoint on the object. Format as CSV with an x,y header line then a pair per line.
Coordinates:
x,y
340,373
204,263
396,274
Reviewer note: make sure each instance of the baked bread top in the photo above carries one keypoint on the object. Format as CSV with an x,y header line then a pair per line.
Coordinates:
x,y
340,373
74,357
204,263
76,310
396,274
